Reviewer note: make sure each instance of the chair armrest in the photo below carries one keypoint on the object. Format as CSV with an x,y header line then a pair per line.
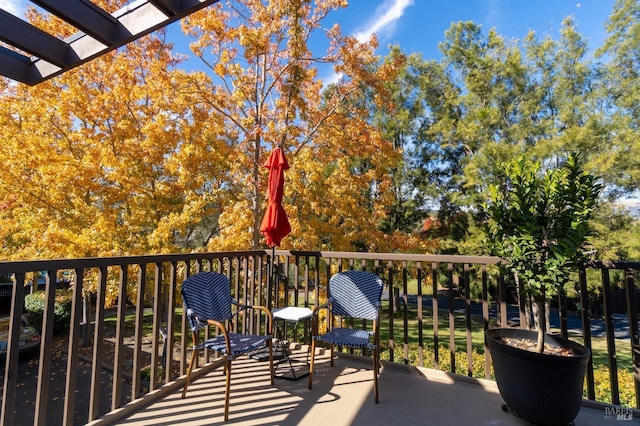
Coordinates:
x,y
315,318
224,332
242,307
269,316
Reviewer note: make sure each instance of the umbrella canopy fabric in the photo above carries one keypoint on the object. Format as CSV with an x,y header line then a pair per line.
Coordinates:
x,y
275,224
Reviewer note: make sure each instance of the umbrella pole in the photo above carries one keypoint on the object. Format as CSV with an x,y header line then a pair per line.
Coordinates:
x,y
274,276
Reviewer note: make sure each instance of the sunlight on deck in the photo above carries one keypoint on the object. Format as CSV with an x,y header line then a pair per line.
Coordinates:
x,y
342,395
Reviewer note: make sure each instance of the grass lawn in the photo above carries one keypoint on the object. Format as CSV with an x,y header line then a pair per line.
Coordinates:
x,y
599,344
599,350
476,330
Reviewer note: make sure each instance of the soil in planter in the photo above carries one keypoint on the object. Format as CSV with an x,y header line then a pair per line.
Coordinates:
x,y
530,345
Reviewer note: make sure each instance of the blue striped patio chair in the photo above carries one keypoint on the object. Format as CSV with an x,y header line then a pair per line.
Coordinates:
x,y
207,301
352,294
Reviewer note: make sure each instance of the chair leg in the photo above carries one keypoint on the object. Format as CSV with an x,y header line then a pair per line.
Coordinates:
x,y
194,355
376,363
227,365
313,358
271,371
331,352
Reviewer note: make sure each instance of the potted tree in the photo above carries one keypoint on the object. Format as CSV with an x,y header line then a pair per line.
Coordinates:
x,y
538,223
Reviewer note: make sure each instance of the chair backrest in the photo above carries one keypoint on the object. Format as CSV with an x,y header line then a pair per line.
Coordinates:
x,y
206,295
355,294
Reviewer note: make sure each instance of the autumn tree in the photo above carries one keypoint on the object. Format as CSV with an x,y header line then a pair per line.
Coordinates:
x,y
261,88
93,168
94,164
128,154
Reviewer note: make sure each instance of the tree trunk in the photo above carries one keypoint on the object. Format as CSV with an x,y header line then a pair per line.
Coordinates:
x,y
86,321
257,196
542,323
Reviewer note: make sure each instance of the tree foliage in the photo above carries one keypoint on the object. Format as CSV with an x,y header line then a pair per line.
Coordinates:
x,y
130,154
264,88
621,93
93,156
539,223
490,100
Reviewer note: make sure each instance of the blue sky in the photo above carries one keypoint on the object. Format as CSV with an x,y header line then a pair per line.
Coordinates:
x,y
419,25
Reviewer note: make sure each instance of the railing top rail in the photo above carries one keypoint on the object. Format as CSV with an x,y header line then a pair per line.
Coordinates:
x,y
613,264
93,262
426,258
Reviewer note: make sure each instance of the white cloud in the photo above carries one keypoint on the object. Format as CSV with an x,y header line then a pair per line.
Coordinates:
x,y
494,13
15,7
332,78
384,19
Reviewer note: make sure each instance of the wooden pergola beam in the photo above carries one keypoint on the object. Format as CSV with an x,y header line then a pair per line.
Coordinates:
x,y
85,16
99,32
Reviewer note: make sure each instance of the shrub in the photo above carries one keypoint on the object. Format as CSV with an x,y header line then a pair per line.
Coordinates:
x,y
626,385
145,374
34,304
444,356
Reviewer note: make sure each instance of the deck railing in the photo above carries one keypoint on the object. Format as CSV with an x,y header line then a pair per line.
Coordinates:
x,y
129,339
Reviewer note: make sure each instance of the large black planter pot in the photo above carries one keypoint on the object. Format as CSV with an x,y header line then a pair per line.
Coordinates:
x,y
544,389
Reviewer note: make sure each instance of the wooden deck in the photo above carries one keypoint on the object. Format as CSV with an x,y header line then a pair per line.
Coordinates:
x,y
342,395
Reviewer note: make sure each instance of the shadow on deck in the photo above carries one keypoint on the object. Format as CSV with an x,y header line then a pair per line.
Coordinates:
x,y
342,395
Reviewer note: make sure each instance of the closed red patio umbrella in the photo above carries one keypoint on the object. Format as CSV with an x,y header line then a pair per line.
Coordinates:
x,y
275,224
